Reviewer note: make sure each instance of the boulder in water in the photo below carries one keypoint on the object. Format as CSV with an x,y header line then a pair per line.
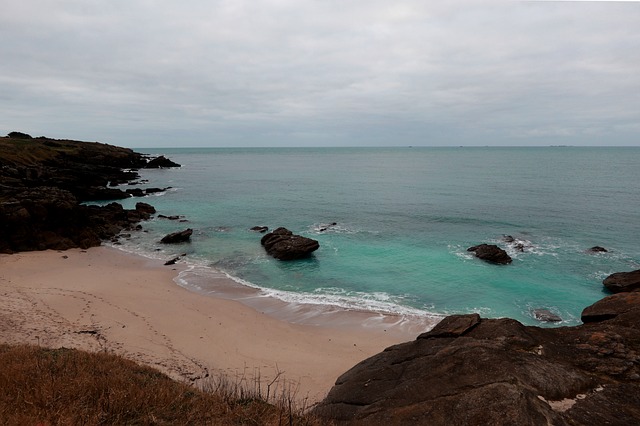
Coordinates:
x,y
284,245
491,253
597,249
145,208
177,237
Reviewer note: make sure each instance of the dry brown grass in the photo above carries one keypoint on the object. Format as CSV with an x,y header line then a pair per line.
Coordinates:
x,y
41,386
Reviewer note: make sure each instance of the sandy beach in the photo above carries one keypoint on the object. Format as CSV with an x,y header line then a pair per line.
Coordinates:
x,y
102,299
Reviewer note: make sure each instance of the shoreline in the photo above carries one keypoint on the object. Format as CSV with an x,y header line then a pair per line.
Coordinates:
x,y
221,285
105,299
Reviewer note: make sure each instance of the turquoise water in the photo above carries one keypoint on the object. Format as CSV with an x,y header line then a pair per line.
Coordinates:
x,y
405,217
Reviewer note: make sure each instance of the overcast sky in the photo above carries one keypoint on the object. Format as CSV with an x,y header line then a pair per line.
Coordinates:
x,y
159,73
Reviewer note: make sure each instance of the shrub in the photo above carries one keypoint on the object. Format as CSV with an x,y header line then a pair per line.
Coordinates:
x,y
19,135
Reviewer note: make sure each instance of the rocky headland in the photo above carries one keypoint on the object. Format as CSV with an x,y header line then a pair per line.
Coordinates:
x,y
43,183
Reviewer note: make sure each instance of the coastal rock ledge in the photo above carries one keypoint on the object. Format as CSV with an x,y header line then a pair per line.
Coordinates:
x,y
623,281
284,245
475,371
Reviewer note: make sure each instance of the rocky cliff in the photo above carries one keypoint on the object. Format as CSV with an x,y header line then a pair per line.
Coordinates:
x,y
43,182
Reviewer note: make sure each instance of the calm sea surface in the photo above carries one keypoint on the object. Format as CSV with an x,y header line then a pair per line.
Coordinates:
x,y
405,217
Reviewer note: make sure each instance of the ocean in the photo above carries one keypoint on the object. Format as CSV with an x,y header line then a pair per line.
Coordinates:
x,y
404,218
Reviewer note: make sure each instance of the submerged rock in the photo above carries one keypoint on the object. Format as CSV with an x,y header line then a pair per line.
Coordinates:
x,y
323,228
284,245
261,229
155,190
491,253
545,315
517,244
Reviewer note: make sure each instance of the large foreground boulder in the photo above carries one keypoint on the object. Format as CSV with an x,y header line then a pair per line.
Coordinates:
x,y
623,281
491,253
284,245
474,371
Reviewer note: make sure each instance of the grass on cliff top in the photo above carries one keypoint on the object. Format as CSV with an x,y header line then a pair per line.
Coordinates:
x,y
66,386
35,151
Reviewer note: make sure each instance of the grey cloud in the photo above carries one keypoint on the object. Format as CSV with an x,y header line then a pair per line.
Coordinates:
x,y
321,72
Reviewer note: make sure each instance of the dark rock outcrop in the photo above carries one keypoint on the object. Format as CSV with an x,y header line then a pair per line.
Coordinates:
x,y
453,326
491,253
474,371
160,162
284,245
177,237
43,182
83,168
44,218
617,305
146,209
623,281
